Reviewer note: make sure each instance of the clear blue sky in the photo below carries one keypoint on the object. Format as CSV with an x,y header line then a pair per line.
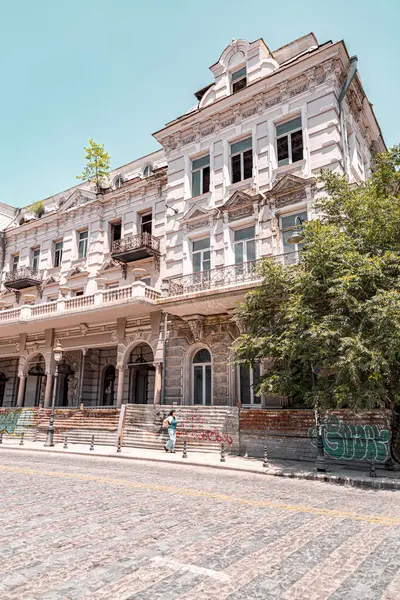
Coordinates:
x,y
118,70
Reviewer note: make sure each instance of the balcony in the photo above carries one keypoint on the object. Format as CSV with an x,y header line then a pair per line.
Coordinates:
x,y
135,299
135,247
22,278
217,290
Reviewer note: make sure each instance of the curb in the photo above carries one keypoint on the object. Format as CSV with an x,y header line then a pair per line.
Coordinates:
x,y
361,483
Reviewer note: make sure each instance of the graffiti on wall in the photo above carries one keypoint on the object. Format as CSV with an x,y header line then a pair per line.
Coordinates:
x,y
17,421
352,442
194,426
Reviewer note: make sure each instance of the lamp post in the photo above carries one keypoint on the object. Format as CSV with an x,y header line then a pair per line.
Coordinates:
x,y
320,460
58,352
297,235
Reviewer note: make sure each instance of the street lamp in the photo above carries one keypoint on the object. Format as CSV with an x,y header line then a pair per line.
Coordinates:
x,y
297,235
320,460
58,352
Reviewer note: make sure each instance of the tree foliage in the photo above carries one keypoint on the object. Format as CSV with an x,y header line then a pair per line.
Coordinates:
x,y
37,209
338,311
97,166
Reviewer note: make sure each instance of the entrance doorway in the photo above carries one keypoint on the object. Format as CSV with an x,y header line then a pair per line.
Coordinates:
x,y
108,386
3,380
141,375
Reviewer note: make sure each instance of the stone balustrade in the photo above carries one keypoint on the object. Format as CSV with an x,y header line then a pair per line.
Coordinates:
x,y
137,291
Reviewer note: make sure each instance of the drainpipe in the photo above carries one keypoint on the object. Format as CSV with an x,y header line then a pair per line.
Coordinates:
x,y
164,361
3,251
350,76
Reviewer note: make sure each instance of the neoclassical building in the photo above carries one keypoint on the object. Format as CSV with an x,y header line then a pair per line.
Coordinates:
x,y
138,283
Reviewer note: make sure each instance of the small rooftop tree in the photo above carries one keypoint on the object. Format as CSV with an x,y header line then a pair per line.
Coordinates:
x,y
97,166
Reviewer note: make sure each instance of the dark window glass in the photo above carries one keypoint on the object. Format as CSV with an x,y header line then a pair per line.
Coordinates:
x,y
248,164
238,85
115,231
146,223
202,356
198,385
206,180
236,170
283,151
297,146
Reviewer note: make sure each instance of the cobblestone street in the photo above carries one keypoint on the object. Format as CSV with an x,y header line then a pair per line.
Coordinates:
x,y
101,529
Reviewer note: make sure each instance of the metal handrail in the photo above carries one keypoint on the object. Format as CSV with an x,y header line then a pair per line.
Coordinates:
x,y
133,242
24,273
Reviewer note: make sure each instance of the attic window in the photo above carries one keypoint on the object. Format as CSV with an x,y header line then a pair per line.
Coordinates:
x,y
119,182
147,171
239,80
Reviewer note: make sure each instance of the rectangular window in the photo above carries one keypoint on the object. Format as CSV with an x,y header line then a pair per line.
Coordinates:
x,y
14,262
51,298
82,243
249,380
58,252
146,222
241,160
35,258
289,223
201,175
146,281
244,245
201,255
239,80
112,286
78,293
116,230
289,142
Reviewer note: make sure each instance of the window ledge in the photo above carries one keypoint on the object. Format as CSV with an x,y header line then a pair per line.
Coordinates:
x,y
296,166
240,185
206,196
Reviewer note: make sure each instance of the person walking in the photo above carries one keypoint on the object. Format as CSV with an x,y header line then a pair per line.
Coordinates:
x,y
171,422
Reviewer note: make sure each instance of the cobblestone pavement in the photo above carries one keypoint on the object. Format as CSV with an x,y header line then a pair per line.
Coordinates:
x,y
95,528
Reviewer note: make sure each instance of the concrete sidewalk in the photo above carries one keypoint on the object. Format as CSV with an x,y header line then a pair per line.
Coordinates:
x,y
339,474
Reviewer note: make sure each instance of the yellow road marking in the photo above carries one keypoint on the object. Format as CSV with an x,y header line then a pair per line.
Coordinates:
x,y
378,519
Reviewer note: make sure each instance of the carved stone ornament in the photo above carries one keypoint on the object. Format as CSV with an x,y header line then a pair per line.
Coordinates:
x,y
114,336
196,327
17,347
84,328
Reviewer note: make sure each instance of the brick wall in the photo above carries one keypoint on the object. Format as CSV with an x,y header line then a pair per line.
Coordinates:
x,y
291,434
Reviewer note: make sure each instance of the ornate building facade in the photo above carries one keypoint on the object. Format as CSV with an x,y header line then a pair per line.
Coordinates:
x,y
138,283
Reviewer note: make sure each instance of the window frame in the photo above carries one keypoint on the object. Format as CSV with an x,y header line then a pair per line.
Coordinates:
x,y
200,170
86,244
35,258
146,213
244,244
201,253
148,170
288,135
236,80
203,366
112,229
241,154
119,182
14,263
57,252
253,395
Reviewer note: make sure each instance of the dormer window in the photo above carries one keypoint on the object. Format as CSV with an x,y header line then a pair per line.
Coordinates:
x,y
147,171
119,182
239,80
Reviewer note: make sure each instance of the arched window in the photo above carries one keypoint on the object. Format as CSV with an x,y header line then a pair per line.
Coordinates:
x,y
108,385
147,171
118,182
249,378
201,377
3,380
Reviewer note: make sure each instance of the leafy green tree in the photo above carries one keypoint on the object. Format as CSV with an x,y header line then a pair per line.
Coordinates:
x,y
338,311
37,208
97,166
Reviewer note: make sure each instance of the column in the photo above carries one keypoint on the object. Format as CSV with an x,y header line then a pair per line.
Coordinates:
x,y
81,375
158,383
120,385
21,390
47,392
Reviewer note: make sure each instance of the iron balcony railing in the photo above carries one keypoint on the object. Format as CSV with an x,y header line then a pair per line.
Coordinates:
x,y
134,242
24,273
221,276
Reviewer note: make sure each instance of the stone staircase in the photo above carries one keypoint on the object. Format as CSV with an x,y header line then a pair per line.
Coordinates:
x,y
203,427
79,425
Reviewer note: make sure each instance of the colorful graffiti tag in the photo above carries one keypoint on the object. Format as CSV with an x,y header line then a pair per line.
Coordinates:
x,y
353,442
194,427
17,421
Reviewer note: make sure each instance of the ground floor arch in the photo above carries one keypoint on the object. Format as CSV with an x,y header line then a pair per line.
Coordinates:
x,y
141,379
